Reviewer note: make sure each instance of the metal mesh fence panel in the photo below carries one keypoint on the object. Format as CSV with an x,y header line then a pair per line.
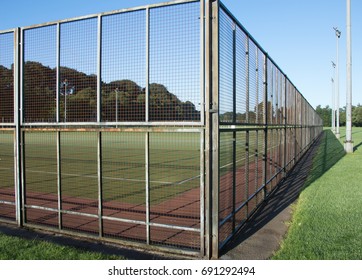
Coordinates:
x,y
79,177
41,178
241,77
78,71
227,182
124,67
253,83
174,53
174,193
7,173
260,107
130,124
40,74
124,184
242,163
7,135
226,64
7,77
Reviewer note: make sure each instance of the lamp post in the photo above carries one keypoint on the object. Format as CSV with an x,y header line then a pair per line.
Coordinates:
x,y
348,145
333,100
65,84
117,90
333,124
338,35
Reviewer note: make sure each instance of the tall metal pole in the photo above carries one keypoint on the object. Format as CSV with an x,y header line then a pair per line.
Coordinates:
x,y
333,125
65,83
338,35
117,105
348,145
333,99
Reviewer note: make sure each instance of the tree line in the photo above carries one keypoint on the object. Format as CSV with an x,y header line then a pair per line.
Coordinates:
x,y
326,115
122,100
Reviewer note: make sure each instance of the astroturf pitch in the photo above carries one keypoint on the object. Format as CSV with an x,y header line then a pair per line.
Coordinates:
x,y
174,164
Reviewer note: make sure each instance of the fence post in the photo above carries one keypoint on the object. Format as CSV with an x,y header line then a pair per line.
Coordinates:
x,y
285,126
208,140
59,161
212,129
266,111
247,120
234,131
215,129
17,135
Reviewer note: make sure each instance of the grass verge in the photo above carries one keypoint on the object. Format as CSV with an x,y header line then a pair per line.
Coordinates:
x,y
19,248
327,219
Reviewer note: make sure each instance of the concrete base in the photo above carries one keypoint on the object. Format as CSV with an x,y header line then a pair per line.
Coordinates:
x,y
348,147
338,135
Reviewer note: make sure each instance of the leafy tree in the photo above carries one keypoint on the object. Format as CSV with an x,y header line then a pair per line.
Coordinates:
x,y
357,116
78,98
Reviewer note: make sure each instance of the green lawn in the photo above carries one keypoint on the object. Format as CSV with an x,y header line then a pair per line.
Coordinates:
x,y
327,219
15,248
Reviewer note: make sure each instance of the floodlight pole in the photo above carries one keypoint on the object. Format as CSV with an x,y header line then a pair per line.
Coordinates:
x,y
333,99
333,124
116,105
338,35
65,84
348,144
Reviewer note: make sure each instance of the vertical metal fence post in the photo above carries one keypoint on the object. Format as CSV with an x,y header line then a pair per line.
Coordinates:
x,y
215,129
202,134
21,135
147,90
17,133
59,180
99,119
285,126
257,121
59,169
100,185
234,131
147,135
266,111
99,70
295,124
147,190
208,128
247,120
148,200
57,97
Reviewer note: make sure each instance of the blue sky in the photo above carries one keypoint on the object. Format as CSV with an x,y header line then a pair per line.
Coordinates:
x,y
298,35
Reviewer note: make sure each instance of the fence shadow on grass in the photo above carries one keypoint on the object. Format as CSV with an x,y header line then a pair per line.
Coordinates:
x,y
81,244
324,153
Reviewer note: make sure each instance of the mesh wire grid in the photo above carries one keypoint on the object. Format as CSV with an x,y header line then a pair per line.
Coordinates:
x,y
79,177
39,88
7,77
124,67
174,181
124,184
41,177
174,90
78,71
105,180
7,172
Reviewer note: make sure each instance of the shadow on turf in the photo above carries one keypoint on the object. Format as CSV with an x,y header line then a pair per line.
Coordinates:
x,y
324,153
96,247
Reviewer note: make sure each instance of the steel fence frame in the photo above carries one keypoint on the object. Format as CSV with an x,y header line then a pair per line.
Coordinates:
x,y
241,153
285,126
